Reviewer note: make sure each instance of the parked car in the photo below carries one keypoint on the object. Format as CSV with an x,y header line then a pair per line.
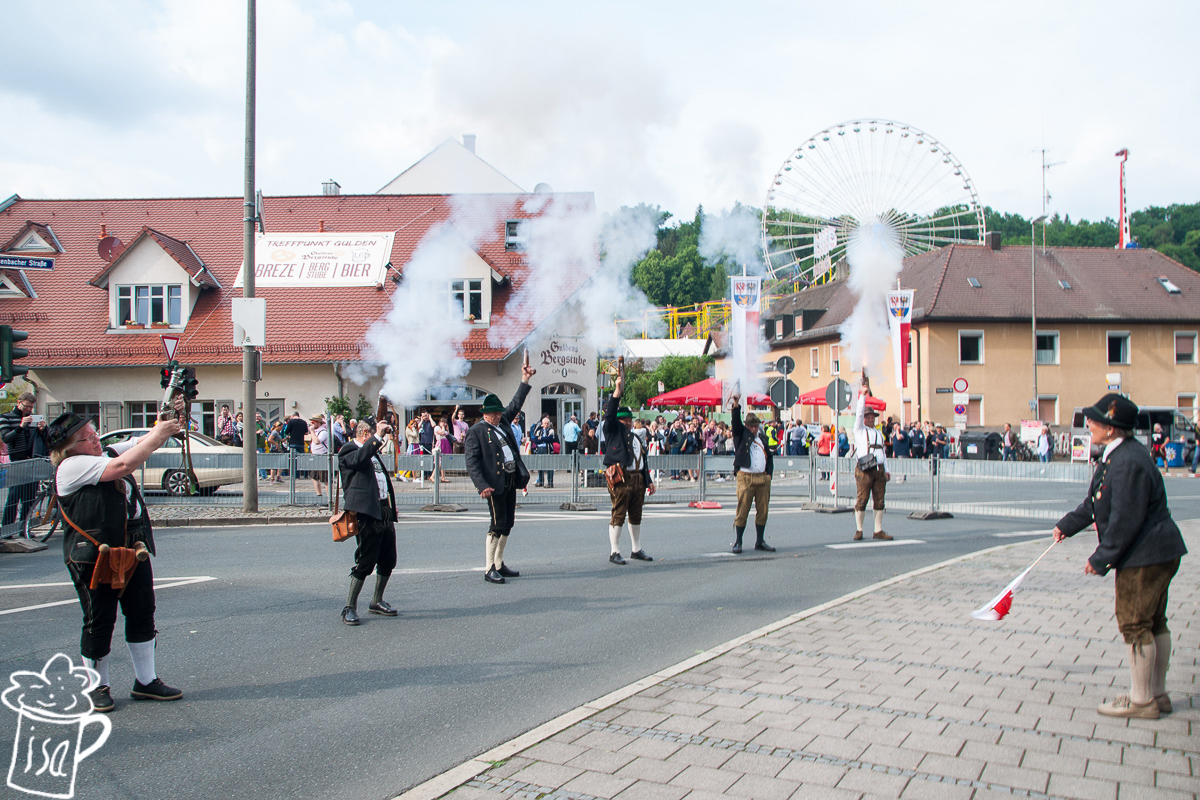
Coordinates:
x,y
173,479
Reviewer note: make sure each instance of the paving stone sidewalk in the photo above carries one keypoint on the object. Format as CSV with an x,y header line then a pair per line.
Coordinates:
x,y
896,693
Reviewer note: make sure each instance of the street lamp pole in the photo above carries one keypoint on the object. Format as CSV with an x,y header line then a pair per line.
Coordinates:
x,y
1033,404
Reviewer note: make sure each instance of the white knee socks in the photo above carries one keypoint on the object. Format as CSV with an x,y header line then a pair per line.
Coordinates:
x,y
142,654
101,666
614,538
879,520
490,552
1162,659
859,516
501,541
635,536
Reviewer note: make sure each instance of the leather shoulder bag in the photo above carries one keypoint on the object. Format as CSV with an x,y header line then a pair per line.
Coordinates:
x,y
344,523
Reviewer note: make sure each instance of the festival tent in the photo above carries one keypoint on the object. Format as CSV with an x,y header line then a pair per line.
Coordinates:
x,y
817,398
705,393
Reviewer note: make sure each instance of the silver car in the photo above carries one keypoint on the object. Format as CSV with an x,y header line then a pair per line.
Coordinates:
x,y
164,469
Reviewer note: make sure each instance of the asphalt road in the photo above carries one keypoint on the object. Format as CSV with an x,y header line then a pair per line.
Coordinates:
x,y
281,699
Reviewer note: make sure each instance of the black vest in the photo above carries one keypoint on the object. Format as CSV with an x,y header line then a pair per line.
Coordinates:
x,y
102,511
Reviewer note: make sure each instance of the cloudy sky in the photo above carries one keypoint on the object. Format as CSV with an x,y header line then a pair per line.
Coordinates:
x,y
669,103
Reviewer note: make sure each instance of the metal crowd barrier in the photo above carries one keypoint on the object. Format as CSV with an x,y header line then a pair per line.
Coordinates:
x,y
1042,490
19,484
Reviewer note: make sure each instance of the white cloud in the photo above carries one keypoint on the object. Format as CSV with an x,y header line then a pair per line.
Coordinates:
x,y
674,104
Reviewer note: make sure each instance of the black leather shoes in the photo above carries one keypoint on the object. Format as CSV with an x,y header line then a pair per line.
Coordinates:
x,y
508,573
736,549
350,616
493,576
157,690
616,559
383,609
764,547
640,555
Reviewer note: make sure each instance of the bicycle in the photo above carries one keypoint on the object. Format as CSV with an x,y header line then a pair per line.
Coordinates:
x,y
44,511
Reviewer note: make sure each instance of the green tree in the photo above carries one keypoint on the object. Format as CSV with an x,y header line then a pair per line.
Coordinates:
x,y
338,405
363,407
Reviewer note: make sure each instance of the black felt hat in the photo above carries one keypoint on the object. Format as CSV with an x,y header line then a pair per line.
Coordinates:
x,y
63,428
1115,410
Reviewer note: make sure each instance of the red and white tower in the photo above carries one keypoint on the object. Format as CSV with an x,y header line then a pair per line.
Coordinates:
x,y
1124,241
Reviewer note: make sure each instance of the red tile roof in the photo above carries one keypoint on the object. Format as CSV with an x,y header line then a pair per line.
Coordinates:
x,y
180,252
43,231
68,322
1106,284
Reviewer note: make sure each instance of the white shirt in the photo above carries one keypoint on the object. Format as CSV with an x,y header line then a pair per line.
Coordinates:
x,y
75,472
867,441
758,458
1113,445
320,441
381,479
508,453
638,450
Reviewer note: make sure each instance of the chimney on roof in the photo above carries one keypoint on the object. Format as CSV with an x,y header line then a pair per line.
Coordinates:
x,y
469,142
320,226
992,239
331,187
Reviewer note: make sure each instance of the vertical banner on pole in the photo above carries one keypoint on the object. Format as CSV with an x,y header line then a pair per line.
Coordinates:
x,y
900,305
746,291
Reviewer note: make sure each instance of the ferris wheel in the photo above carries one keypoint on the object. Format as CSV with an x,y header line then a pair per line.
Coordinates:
x,y
860,172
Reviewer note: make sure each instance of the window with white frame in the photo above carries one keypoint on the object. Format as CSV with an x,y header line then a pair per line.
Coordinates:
x,y
143,414
1047,347
1118,347
1186,403
466,300
1185,347
815,362
835,359
146,305
514,235
970,347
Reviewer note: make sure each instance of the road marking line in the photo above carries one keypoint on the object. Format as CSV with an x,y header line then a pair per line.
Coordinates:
x,y
716,555
437,571
1015,534
166,583
892,543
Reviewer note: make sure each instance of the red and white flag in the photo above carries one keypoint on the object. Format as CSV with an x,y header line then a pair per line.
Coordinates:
x,y
1001,604
900,308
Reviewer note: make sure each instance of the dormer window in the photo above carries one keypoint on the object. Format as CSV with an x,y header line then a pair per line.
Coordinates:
x,y
147,305
466,300
514,235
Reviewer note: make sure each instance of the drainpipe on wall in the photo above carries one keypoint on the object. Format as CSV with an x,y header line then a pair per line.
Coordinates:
x,y
341,390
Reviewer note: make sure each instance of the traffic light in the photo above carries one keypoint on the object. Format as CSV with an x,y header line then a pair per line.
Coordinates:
x,y
166,373
190,392
8,353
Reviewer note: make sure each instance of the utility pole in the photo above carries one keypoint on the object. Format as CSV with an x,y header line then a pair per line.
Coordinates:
x,y
249,355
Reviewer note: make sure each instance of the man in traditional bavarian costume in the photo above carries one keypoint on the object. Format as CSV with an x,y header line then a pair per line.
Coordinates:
x,y
753,464
367,491
495,467
107,522
625,458
1128,502
870,472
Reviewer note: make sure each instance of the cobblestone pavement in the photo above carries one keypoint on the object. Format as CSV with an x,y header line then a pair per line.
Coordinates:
x,y
895,692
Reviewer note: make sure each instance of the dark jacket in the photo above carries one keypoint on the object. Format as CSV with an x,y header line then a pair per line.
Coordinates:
x,y
1128,502
741,444
360,492
485,457
618,442
544,439
19,440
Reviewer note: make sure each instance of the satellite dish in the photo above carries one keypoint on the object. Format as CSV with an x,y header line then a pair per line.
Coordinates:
x,y
543,188
110,247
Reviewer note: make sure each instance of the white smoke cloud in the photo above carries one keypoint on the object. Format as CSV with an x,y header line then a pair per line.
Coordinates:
x,y
417,345
735,236
875,262
625,237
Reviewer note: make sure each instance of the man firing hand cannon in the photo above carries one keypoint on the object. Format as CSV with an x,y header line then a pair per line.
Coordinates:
x,y
495,467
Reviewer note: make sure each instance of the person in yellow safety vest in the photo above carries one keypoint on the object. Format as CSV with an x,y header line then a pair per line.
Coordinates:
x,y
773,437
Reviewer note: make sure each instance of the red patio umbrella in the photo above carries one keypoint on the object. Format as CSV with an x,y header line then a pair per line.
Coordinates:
x,y
705,393
817,398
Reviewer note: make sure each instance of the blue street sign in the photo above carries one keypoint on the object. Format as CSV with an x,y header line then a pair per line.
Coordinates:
x,y
25,262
